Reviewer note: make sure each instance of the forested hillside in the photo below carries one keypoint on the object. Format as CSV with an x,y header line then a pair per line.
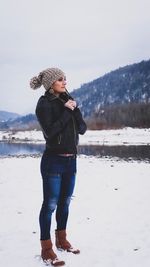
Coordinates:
x,y
119,98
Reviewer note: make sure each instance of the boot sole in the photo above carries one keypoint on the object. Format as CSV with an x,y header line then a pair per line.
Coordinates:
x,y
54,262
71,250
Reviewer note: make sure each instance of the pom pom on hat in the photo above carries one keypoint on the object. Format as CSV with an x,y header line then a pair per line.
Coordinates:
x,y
35,83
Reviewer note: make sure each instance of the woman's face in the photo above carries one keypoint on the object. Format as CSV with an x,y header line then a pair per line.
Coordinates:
x,y
59,86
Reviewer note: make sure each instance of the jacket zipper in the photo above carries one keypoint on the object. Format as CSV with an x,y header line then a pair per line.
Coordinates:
x,y
74,130
59,139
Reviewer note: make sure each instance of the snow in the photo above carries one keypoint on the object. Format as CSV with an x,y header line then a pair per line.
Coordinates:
x,y
125,136
109,215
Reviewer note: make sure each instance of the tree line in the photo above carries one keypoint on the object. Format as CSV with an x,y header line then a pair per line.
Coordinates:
x,y
121,115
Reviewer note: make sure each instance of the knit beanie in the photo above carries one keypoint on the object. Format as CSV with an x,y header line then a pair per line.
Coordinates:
x,y
46,78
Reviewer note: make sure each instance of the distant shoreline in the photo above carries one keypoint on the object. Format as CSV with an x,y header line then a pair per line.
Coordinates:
x,y
124,136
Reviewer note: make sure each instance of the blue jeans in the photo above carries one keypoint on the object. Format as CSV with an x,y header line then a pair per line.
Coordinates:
x,y
58,175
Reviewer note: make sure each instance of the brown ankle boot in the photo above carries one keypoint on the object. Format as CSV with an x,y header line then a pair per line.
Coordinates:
x,y
63,243
48,254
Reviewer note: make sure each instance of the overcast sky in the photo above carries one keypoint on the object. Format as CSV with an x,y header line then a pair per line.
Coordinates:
x,y
85,38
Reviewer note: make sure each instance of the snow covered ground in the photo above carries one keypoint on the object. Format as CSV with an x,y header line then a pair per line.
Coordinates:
x,y
125,136
109,216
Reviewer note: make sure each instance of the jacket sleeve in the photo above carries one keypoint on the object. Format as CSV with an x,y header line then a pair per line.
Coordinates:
x,y
49,127
81,125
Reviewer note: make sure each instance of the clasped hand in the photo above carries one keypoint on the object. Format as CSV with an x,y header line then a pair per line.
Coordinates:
x,y
71,104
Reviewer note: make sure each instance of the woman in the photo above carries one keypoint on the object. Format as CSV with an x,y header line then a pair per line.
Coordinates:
x,y
61,122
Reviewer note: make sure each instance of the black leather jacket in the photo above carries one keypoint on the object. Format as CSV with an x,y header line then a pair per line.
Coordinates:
x,y
59,124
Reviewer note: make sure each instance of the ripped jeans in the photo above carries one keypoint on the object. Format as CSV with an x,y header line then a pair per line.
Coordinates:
x,y
58,175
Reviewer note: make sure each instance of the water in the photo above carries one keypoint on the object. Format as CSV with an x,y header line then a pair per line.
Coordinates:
x,y
14,149
121,152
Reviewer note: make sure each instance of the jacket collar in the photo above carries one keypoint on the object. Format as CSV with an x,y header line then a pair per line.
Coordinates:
x,y
50,96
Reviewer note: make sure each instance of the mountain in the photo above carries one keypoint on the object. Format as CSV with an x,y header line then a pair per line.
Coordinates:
x,y
5,115
129,84
28,122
